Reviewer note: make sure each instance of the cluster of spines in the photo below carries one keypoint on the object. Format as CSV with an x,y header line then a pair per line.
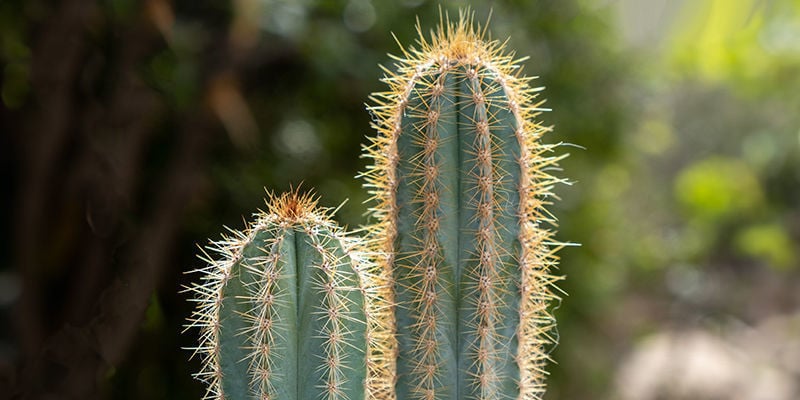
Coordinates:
x,y
416,92
379,310
352,292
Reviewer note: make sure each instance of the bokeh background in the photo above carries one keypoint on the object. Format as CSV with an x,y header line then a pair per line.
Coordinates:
x,y
132,131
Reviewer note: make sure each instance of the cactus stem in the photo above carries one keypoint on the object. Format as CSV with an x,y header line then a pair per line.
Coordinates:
x,y
460,186
291,307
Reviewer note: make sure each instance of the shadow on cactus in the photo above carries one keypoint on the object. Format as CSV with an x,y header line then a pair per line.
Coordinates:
x,y
460,183
447,294
290,309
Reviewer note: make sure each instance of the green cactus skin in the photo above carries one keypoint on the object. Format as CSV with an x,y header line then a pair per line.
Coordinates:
x,y
460,183
291,311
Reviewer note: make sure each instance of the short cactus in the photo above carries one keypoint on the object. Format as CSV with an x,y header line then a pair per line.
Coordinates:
x,y
292,311
460,183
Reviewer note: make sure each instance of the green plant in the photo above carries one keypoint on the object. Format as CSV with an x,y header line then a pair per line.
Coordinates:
x,y
292,311
460,183
453,300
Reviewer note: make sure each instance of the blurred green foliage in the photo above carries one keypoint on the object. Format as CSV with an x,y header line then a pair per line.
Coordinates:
x,y
716,189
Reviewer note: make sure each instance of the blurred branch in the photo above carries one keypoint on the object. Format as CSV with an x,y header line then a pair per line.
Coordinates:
x,y
73,358
230,106
70,362
160,13
119,131
60,45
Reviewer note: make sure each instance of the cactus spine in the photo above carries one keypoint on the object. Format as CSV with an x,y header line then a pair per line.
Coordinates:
x,y
292,311
460,185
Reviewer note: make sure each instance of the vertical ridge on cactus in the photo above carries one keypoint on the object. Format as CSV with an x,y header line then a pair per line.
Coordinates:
x,y
292,309
460,183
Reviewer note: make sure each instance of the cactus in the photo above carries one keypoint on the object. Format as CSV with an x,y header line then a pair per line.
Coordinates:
x,y
292,311
447,295
460,183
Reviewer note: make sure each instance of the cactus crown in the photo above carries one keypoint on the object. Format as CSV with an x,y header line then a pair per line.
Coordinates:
x,y
294,207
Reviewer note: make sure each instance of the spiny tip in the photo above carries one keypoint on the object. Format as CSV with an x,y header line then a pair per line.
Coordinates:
x,y
293,206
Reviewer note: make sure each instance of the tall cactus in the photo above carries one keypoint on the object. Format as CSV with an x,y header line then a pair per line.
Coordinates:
x,y
292,311
460,185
